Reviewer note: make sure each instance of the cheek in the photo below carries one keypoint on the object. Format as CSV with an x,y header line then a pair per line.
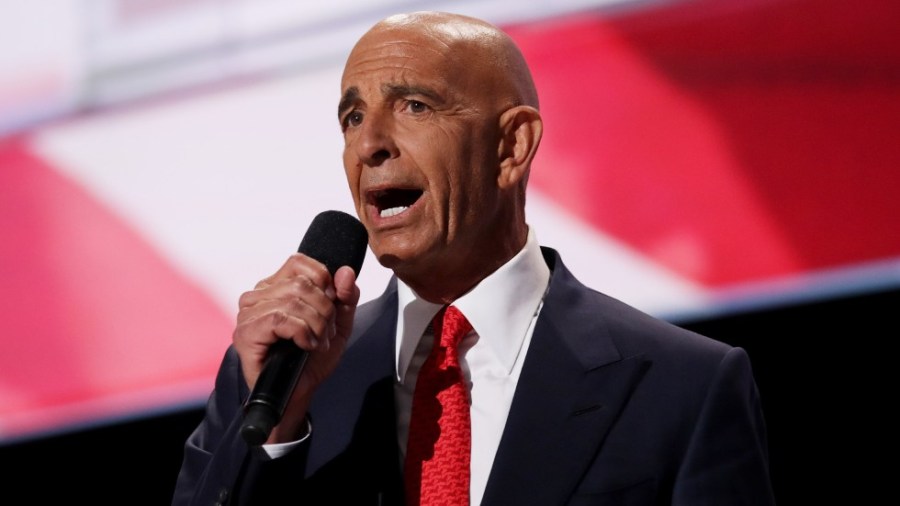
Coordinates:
x,y
445,152
351,171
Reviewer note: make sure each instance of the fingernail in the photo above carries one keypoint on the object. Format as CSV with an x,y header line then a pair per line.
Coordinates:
x,y
330,292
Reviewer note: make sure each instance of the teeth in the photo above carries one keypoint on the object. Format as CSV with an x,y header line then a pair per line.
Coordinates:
x,y
393,211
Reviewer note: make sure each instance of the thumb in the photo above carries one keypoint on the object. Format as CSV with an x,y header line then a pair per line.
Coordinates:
x,y
346,290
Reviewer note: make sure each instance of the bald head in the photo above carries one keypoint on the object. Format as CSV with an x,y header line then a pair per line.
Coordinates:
x,y
474,48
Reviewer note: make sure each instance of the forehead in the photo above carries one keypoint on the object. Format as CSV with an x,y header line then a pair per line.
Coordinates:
x,y
406,54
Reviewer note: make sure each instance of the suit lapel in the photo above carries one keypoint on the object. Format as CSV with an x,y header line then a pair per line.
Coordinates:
x,y
362,425
574,383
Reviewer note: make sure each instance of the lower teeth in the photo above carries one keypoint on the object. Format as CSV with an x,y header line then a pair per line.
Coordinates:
x,y
393,211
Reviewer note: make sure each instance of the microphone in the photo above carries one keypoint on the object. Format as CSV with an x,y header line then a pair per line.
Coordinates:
x,y
334,238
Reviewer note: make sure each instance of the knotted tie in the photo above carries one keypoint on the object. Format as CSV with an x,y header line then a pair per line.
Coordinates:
x,y
437,455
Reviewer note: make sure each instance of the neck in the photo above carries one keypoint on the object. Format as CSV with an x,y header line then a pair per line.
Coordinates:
x,y
460,274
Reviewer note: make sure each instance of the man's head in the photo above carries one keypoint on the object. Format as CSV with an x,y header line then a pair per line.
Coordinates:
x,y
440,121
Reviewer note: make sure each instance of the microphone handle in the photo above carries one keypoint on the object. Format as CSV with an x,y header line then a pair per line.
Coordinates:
x,y
276,382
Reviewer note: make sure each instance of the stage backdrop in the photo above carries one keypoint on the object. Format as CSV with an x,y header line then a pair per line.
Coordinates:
x,y
700,157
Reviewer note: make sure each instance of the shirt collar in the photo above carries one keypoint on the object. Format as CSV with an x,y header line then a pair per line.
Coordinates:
x,y
500,308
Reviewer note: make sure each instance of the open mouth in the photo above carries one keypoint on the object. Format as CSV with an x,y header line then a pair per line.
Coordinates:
x,y
393,201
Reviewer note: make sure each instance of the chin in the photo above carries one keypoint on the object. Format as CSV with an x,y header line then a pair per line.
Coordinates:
x,y
390,255
400,261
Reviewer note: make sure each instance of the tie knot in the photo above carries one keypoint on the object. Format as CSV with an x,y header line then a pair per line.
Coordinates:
x,y
452,325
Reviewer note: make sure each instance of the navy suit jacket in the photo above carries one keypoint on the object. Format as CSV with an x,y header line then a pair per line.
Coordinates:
x,y
613,407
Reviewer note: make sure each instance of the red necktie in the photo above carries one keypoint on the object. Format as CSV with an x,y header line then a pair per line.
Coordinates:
x,y
437,454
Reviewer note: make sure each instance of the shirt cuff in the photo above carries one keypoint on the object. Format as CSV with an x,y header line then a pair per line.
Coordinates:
x,y
273,451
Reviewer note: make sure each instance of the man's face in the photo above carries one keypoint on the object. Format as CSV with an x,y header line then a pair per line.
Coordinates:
x,y
421,151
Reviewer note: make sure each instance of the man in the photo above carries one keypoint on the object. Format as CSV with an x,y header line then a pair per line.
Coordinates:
x,y
575,397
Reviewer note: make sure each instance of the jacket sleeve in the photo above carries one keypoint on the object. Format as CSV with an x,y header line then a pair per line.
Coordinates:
x,y
727,458
215,453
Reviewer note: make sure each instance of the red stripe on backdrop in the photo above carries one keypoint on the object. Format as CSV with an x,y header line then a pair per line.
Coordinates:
x,y
730,141
91,311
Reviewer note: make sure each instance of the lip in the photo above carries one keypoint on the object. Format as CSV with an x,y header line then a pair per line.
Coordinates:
x,y
376,198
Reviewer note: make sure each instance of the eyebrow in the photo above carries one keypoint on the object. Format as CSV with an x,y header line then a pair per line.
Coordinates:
x,y
350,96
402,90
388,90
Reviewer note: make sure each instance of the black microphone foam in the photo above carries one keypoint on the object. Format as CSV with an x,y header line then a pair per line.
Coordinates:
x,y
334,238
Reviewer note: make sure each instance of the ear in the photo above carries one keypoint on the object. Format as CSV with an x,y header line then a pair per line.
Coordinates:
x,y
521,128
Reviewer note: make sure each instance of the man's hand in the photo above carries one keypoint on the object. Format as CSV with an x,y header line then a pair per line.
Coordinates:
x,y
303,303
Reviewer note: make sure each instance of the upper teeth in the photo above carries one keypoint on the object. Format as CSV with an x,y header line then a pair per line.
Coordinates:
x,y
393,211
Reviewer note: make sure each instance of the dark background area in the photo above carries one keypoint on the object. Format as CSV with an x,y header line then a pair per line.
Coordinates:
x,y
820,366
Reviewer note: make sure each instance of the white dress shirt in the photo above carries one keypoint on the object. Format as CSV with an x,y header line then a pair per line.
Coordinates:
x,y
502,309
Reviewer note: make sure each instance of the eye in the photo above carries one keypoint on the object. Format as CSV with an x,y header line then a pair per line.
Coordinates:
x,y
416,107
352,119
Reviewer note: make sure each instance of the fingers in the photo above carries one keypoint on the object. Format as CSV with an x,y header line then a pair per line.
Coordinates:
x,y
297,303
300,302
297,265
289,318
300,293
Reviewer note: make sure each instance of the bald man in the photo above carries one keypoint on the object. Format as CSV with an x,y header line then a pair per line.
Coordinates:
x,y
574,397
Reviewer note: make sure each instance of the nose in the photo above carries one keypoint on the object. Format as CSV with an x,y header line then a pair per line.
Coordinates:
x,y
375,143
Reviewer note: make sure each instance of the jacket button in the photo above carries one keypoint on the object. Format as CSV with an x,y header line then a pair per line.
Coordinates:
x,y
223,497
